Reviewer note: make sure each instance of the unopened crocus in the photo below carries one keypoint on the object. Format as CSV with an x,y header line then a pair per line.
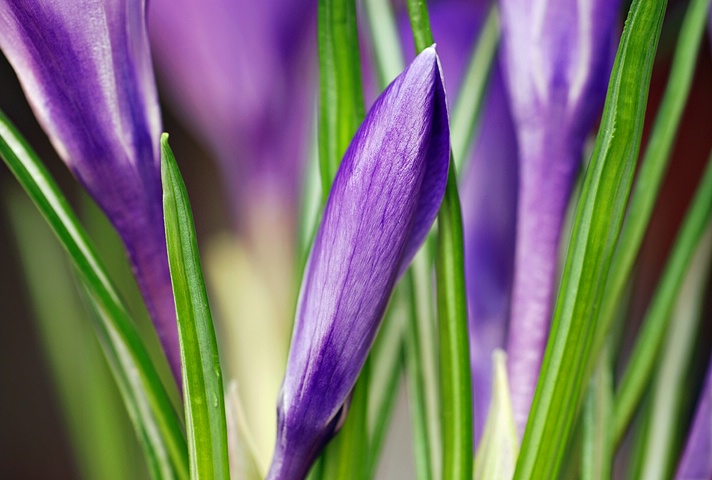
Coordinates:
x,y
557,56
383,202
86,70
696,461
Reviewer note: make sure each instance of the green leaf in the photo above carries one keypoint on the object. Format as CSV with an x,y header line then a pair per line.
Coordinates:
x,y
100,431
662,441
467,108
385,39
597,458
654,163
569,358
421,361
646,351
455,381
386,366
341,97
156,423
202,377
497,454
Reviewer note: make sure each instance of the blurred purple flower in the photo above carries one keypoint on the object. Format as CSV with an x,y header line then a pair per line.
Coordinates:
x,y
85,67
384,200
557,56
696,462
240,73
489,193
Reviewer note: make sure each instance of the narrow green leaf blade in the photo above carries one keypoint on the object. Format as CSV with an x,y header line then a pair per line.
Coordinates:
x,y
101,434
421,362
655,161
202,377
387,51
386,367
597,457
469,101
663,441
499,447
341,98
569,358
646,350
156,423
455,379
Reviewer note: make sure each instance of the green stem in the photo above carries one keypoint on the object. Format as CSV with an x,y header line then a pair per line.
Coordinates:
x,y
455,380
466,113
456,384
341,98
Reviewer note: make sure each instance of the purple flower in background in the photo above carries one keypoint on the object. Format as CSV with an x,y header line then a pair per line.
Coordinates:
x,y
696,462
489,193
240,73
383,202
86,70
557,56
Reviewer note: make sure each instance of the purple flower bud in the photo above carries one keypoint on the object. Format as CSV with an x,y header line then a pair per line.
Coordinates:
x,y
696,462
557,56
86,70
383,202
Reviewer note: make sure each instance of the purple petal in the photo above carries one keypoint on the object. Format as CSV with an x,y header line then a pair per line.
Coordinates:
x,y
489,192
696,462
557,56
376,210
240,72
86,70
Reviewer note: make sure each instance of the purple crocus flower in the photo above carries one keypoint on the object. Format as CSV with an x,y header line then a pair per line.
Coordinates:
x,y
557,56
383,202
86,70
696,462
240,72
